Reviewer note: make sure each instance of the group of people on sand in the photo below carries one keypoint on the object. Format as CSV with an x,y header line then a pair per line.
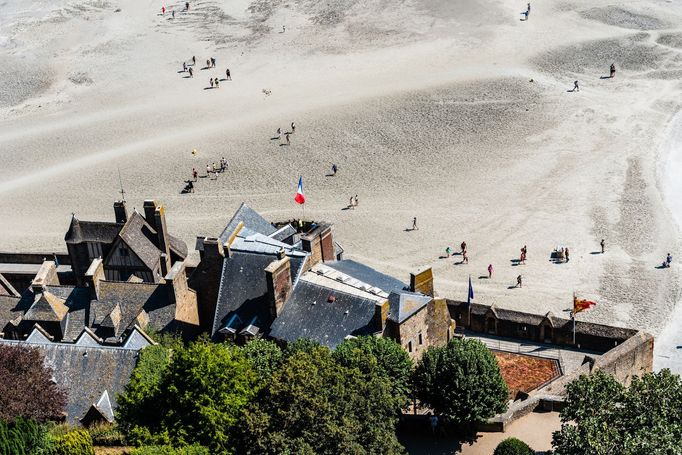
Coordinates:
x,y
287,134
210,63
212,171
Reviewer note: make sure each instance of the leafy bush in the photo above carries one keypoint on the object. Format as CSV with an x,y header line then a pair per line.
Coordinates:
x,y
265,356
23,437
26,388
513,446
70,441
461,381
170,450
106,434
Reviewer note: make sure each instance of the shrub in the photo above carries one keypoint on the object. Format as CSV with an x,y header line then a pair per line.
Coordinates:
x,y
106,434
70,441
169,450
26,388
513,446
23,437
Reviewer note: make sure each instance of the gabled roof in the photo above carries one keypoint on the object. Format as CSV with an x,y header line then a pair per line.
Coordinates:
x,y
138,235
100,411
47,307
6,288
38,336
251,219
91,231
137,339
324,315
404,304
88,338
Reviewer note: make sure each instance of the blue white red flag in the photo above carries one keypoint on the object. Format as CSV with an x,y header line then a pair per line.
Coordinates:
x,y
300,198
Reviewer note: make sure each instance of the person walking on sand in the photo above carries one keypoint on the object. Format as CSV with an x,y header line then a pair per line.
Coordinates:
x,y
186,6
566,254
191,72
212,62
163,10
194,60
217,83
465,257
463,247
603,246
356,200
490,271
612,71
448,252
293,127
334,169
208,170
279,134
211,81
286,136
414,224
184,67
351,204
227,74
173,14
195,174
519,281
576,87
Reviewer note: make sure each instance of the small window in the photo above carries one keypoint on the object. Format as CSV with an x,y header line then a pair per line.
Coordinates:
x,y
421,341
409,347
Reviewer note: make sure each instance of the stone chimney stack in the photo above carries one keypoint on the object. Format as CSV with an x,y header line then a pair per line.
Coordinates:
x,y
47,274
120,212
278,276
150,212
380,315
93,276
422,282
319,242
206,279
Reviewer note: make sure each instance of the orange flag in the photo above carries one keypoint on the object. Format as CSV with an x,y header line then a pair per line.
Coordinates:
x,y
581,304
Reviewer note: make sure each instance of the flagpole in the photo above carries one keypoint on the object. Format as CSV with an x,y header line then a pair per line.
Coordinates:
x,y
573,317
469,300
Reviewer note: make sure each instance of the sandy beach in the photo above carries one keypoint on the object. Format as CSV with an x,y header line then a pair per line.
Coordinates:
x,y
456,112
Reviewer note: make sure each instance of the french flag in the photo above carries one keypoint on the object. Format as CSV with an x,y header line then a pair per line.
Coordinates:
x,y
300,198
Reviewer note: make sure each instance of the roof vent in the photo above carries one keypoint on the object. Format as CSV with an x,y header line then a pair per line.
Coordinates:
x,y
345,312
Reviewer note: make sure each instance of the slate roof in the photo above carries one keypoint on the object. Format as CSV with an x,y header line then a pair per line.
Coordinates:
x,y
404,304
85,372
310,314
284,232
251,219
177,246
47,307
138,235
368,275
91,231
10,309
243,291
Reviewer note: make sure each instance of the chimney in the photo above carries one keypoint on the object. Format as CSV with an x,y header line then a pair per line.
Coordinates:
x,y
120,212
206,279
380,315
165,262
278,276
162,236
422,282
93,276
186,305
150,212
47,274
319,242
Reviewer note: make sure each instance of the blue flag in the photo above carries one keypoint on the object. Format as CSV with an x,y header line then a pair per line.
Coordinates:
x,y
470,295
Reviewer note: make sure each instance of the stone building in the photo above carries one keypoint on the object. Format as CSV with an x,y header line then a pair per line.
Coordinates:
x,y
91,372
134,245
290,281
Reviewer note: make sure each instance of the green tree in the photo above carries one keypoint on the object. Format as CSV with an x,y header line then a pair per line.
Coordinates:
x,y
314,405
265,356
23,437
138,406
393,361
302,344
461,381
602,416
513,446
204,393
